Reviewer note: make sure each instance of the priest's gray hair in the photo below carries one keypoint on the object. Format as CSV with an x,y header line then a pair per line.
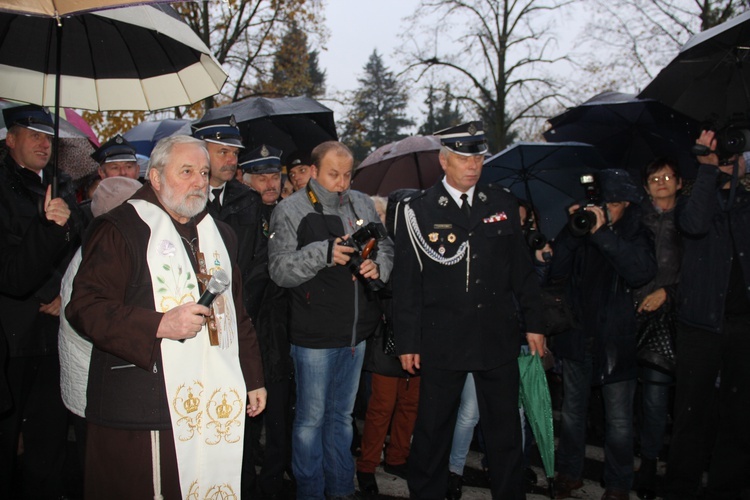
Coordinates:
x,y
163,150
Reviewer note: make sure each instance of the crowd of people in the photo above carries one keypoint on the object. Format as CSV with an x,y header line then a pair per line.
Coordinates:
x,y
172,320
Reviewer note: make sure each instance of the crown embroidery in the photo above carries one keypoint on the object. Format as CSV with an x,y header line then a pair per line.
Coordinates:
x,y
472,129
224,410
192,403
264,151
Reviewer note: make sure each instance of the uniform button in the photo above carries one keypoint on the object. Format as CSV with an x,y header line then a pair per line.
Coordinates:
x,y
479,306
471,233
475,256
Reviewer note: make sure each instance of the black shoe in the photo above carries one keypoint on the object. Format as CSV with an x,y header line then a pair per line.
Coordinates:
x,y
646,489
530,476
367,483
455,483
400,470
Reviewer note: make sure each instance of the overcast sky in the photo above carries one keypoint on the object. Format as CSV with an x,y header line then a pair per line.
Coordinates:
x,y
357,27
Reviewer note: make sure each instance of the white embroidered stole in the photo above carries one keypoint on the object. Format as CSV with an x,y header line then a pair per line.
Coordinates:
x,y
204,384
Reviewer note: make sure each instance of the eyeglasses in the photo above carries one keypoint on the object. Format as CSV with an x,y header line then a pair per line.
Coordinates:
x,y
299,171
657,178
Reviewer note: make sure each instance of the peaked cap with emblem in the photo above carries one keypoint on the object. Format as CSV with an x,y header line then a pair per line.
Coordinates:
x,y
222,130
262,160
30,116
115,149
466,139
299,158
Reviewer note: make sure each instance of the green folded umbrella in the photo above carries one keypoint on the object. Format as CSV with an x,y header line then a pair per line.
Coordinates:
x,y
535,399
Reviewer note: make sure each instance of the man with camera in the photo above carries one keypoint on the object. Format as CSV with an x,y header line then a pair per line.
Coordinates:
x,y
461,259
713,314
320,249
603,253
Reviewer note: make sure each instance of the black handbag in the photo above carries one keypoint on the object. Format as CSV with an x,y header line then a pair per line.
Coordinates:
x,y
655,341
557,315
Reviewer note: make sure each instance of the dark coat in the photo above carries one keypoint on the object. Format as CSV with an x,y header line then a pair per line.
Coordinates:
x,y
712,237
601,270
34,254
241,210
668,246
463,316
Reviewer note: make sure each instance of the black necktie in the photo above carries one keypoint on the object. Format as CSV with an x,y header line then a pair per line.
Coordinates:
x,y
217,198
465,207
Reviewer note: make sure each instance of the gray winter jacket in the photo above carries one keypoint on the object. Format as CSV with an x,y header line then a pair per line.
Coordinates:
x,y
327,307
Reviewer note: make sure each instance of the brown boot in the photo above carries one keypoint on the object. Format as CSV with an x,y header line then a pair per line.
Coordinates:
x,y
616,495
565,485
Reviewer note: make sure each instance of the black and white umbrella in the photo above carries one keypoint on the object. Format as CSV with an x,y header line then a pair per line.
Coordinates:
x,y
131,58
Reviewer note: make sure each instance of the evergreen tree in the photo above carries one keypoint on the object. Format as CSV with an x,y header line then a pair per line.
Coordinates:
x,y
446,116
317,76
377,115
295,69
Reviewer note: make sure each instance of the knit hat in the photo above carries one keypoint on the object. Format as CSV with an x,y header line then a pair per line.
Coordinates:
x,y
112,192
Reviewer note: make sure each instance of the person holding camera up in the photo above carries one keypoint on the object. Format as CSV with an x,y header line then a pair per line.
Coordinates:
x,y
461,259
604,252
320,249
713,320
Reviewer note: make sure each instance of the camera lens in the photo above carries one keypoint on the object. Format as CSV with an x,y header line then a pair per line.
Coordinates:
x,y
581,222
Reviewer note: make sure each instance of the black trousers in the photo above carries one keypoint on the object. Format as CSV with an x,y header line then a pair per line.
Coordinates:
x,y
39,413
439,398
702,412
277,418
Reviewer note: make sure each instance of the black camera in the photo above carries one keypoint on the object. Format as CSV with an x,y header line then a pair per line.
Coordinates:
x,y
731,139
365,242
582,221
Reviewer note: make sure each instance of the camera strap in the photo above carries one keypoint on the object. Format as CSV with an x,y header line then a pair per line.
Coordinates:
x,y
318,207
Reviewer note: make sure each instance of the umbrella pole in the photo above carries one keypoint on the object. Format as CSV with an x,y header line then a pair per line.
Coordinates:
x,y
551,487
56,137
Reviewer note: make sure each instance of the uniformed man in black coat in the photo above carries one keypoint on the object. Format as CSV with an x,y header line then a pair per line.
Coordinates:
x,y
38,235
460,261
230,201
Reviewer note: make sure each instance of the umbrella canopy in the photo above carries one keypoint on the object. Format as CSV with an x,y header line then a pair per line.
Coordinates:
x,y
409,163
131,58
535,399
144,136
709,78
629,132
52,8
286,123
547,175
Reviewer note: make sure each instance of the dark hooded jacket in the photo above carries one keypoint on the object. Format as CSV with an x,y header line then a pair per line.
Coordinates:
x,y
601,270
716,236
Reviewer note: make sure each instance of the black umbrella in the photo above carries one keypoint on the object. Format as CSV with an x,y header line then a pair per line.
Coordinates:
x,y
709,78
409,163
131,58
629,132
547,175
286,123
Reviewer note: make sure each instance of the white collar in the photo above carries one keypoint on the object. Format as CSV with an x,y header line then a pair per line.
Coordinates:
x,y
456,194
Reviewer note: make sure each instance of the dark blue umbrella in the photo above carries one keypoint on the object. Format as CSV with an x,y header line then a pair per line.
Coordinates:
x,y
547,175
629,132
145,135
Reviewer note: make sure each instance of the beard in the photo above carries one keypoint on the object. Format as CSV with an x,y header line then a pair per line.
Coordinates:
x,y
189,205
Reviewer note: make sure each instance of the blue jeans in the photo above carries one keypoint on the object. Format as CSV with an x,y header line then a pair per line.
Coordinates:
x,y
618,433
463,433
655,402
327,381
